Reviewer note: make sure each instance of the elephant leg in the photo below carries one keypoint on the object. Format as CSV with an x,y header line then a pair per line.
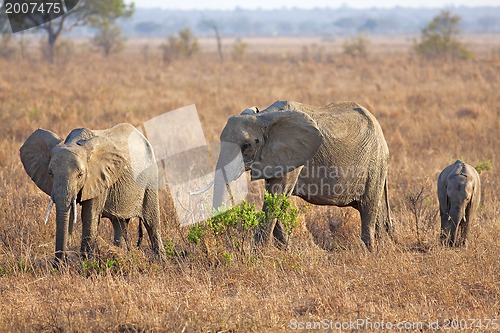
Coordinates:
x,y
369,211
284,185
368,216
263,233
141,232
465,224
370,207
151,220
445,234
91,213
120,229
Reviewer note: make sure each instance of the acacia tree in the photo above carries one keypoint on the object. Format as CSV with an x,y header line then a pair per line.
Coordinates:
x,y
440,38
95,13
7,50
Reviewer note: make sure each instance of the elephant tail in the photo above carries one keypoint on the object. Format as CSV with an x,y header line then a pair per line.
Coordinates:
x,y
141,232
389,227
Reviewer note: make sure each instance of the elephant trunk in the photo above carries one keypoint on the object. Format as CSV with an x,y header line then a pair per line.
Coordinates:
x,y
229,168
457,217
450,224
72,216
62,219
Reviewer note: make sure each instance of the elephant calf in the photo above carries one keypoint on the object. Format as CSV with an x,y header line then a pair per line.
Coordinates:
x,y
459,193
110,173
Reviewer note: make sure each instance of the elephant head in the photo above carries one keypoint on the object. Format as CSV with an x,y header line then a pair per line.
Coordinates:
x,y
268,144
70,172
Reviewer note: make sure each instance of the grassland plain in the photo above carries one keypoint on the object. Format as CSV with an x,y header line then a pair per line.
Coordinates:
x,y
431,112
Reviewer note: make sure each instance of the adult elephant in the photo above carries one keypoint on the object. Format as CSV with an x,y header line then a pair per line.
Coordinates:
x,y
459,194
111,173
333,155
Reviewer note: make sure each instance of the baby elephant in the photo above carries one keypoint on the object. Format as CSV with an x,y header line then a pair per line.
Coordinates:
x,y
111,173
459,193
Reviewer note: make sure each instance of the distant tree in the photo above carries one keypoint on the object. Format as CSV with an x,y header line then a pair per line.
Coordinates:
x,y
215,27
109,39
7,49
440,38
184,45
95,13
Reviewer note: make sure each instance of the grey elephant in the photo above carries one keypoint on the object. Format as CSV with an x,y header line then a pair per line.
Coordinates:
x,y
459,194
111,173
334,155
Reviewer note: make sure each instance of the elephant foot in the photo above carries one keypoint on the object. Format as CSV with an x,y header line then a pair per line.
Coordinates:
x,y
58,261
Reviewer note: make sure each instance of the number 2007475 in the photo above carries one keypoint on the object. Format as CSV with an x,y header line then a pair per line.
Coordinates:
x,y
33,7
466,324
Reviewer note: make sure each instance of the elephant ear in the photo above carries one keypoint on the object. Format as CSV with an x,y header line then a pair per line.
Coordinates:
x,y
35,156
106,165
442,191
292,138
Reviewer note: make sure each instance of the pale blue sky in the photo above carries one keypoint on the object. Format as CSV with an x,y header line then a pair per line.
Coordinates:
x,y
268,4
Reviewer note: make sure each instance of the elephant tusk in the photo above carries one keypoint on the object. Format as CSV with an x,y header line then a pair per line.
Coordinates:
x,y
203,190
74,211
51,203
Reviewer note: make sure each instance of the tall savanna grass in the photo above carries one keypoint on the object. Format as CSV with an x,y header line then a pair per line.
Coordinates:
x,y
431,113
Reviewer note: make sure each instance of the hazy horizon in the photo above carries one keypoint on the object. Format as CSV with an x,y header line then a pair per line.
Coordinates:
x,y
280,4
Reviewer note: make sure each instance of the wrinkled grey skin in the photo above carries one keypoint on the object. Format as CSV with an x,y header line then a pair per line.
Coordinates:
x,y
333,155
111,173
459,194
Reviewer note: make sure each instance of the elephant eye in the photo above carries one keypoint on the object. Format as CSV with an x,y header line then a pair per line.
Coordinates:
x,y
257,140
80,175
51,174
245,146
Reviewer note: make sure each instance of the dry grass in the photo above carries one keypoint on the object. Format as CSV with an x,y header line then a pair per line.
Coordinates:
x,y
431,114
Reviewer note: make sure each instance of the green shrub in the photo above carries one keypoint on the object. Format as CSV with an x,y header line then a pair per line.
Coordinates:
x,y
235,226
195,233
109,39
440,39
483,166
280,207
185,45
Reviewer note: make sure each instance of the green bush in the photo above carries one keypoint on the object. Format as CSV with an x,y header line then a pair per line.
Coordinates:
x,y
235,226
109,39
483,166
440,39
185,45
280,207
